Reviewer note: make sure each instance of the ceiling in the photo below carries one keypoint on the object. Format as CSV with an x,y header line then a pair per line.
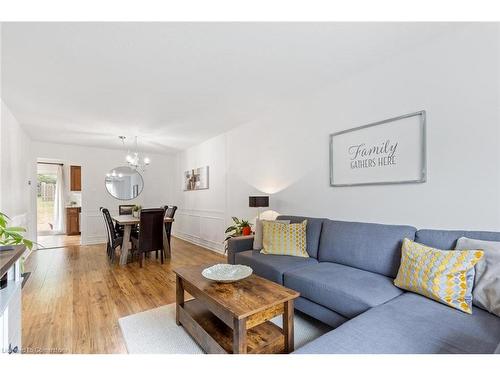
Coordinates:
x,y
177,84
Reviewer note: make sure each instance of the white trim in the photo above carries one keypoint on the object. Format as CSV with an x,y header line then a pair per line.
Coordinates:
x,y
209,214
202,216
193,235
207,244
93,240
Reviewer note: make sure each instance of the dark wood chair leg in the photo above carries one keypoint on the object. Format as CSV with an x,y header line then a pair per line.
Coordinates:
x,y
161,255
156,254
141,259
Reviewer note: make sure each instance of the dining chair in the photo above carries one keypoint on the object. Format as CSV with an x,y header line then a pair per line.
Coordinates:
x,y
170,213
108,244
150,236
114,240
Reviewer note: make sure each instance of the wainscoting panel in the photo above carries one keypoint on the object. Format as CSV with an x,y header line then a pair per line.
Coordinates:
x,y
92,227
201,227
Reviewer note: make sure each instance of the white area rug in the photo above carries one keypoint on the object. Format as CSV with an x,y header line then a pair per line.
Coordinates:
x,y
155,332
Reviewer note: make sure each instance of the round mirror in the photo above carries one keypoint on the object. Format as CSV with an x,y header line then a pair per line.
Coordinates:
x,y
124,183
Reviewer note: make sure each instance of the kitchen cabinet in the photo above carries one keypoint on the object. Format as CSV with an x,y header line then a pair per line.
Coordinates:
x,y
75,177
73,220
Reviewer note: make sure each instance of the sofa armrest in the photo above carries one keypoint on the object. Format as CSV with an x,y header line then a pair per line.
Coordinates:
x,y
237,245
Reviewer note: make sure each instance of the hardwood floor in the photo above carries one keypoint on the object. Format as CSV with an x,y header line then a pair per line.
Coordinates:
x,y
58,240
74,296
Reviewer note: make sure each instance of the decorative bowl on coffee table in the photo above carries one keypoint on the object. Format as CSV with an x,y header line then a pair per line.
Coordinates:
x,y
227,273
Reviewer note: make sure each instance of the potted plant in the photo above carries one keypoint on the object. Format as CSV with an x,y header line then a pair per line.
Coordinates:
x,y
246,229
136,211
10,236
240,227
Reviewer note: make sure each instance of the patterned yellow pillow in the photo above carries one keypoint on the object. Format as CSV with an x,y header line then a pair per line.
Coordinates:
x,y
446,276
284,239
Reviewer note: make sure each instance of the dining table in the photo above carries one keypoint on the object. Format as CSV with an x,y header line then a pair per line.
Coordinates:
x,y
128,221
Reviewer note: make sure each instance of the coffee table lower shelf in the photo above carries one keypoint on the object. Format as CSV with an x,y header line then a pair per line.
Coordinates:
x,y
215,337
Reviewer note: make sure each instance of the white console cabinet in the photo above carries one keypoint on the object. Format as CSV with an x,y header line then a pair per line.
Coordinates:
x,y
10,301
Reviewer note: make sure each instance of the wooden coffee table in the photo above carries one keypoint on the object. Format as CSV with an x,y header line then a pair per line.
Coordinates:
x,y
234,318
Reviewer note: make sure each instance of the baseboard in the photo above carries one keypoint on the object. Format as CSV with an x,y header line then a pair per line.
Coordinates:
x,y
93,240
207,244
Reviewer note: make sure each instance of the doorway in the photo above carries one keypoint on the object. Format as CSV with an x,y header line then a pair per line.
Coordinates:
x,y
52,203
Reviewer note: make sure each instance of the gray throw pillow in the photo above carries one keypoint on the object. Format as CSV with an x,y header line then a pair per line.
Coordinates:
x,y
259,233
486,292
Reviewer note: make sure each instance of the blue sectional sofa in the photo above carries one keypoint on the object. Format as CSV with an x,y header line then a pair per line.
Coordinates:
x,y
347,283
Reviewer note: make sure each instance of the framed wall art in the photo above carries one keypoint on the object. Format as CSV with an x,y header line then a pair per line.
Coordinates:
x,y
391,151
196,179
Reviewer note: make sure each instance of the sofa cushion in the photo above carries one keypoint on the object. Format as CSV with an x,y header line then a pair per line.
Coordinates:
x,y
370,247
447,239
259,232
271,267
443,275
343,289
410,324
487,279
284,239
313,231
319,312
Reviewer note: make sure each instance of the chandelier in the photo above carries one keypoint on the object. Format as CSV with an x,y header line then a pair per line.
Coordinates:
x,y
134,159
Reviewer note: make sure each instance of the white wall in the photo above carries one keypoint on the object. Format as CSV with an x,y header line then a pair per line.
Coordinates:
x,y
96,162
14,168
455,78
200,217
14,171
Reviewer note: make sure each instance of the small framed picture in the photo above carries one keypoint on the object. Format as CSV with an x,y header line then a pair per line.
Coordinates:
x,y
196,179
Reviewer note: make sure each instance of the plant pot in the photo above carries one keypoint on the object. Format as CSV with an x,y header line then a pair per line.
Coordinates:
x,y
246,231
135,214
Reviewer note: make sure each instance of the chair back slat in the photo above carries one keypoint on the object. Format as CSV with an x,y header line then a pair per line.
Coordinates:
x,y
109,223
105,225
170,211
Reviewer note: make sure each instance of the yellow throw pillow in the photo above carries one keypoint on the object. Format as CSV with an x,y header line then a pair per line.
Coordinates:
x,y
284,239
446,276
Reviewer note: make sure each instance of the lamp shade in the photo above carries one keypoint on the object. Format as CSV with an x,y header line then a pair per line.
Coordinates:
x,y
260,201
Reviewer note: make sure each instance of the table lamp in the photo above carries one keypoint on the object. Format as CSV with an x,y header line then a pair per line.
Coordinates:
x,y
258,201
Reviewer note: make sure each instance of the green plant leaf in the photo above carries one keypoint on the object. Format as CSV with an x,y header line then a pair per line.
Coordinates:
x,y
12,235
230,229
28,244
15,229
